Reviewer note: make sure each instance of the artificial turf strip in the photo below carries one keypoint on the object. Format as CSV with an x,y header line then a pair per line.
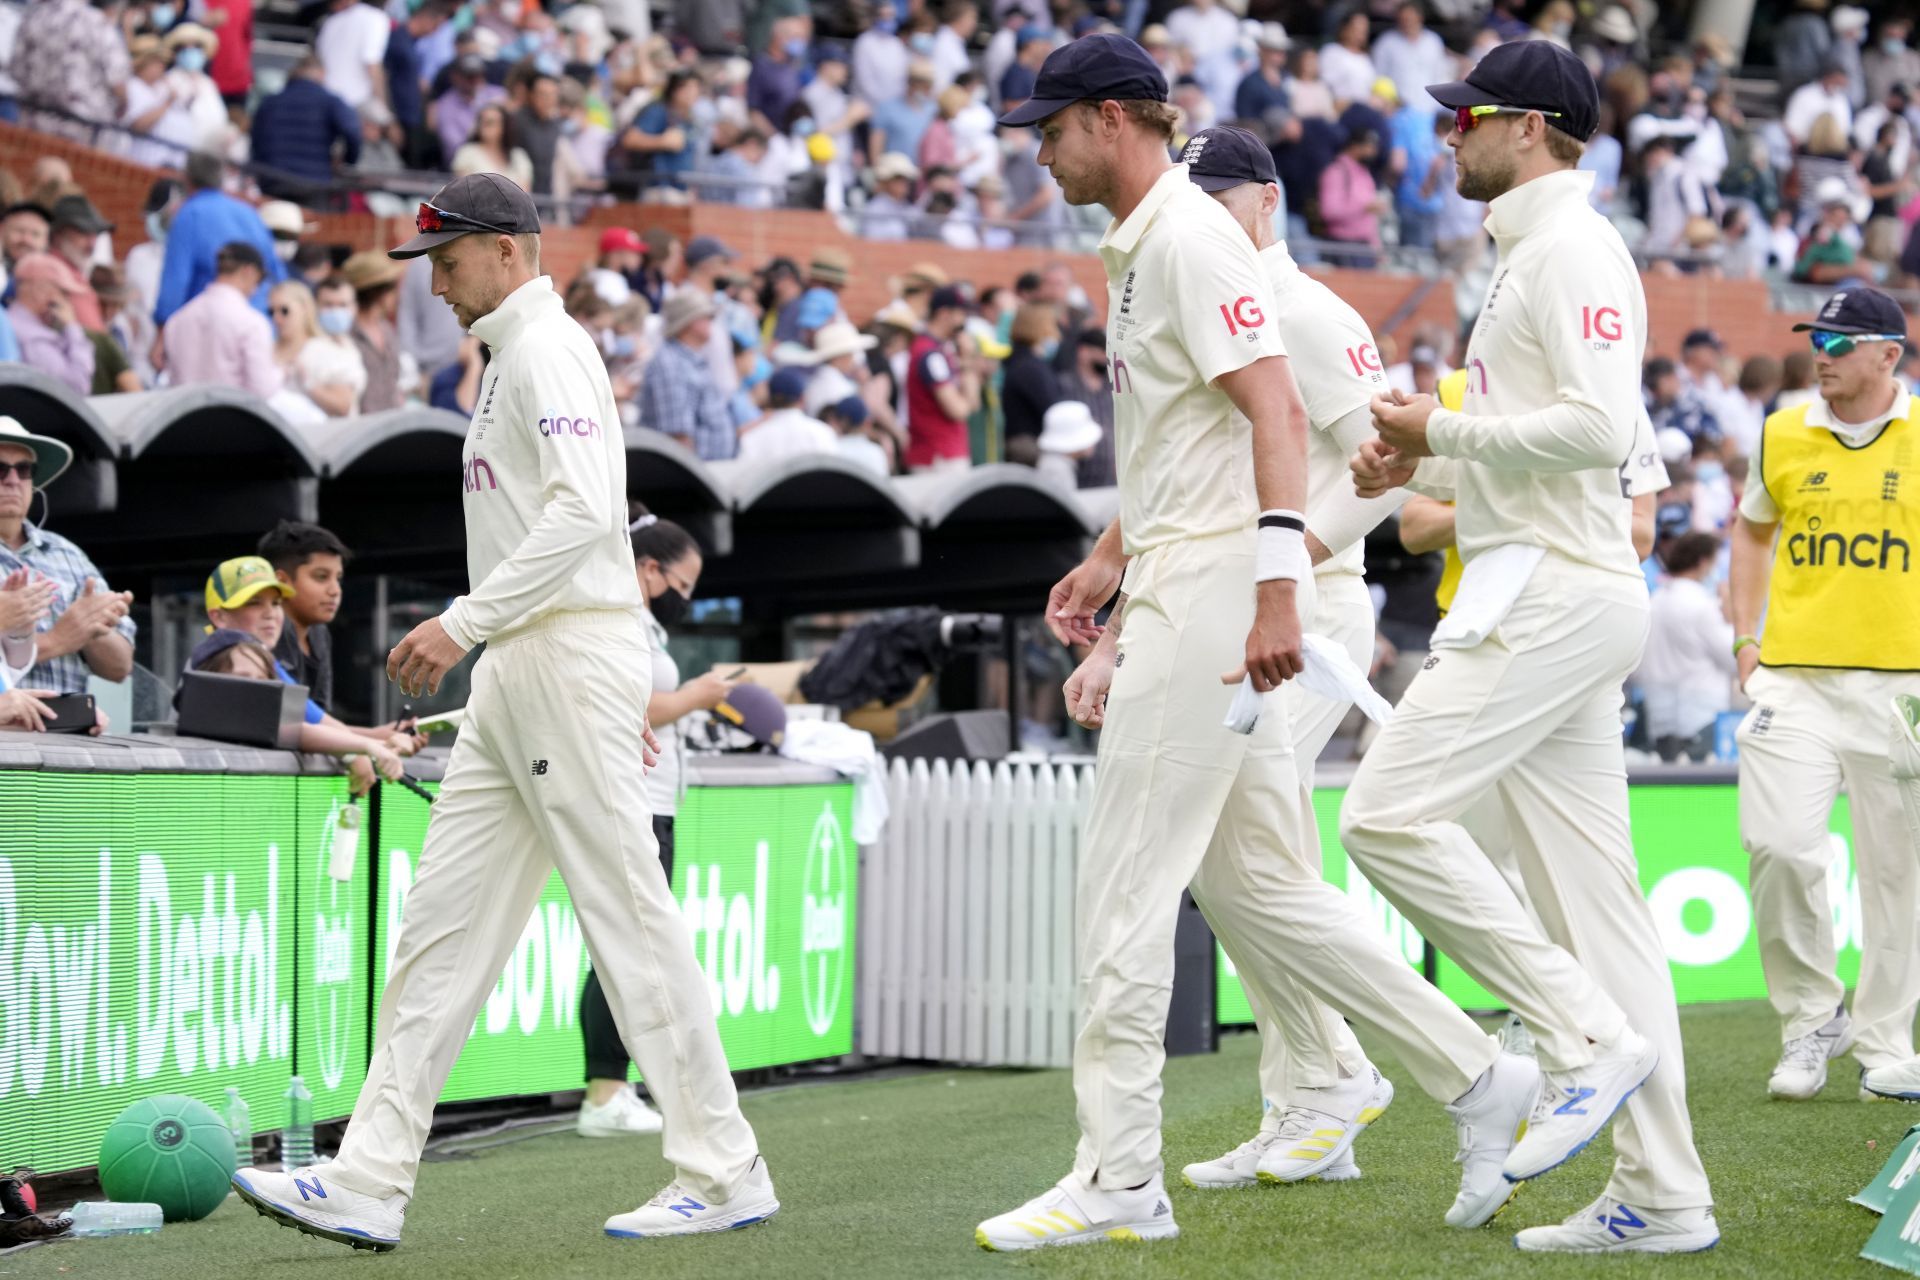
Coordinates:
x,y
886,1179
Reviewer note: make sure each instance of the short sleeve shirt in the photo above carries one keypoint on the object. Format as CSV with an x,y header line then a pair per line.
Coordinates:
x,y
1187,302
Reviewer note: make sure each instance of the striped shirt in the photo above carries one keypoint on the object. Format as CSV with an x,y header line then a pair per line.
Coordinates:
x,y
68,566
678,397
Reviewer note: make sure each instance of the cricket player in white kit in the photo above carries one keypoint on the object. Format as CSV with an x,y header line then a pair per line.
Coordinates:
x,y
1523,691
1837,479
1314,1077
1212,544
547,771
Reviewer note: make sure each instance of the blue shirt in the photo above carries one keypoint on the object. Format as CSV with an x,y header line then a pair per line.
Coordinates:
x,y
1412,132
294,132
904,122
68,566
402,65
1257,95
9,344
314,714
206,222
656,120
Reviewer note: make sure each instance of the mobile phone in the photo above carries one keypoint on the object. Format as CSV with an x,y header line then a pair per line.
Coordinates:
x,y
73,713
734,674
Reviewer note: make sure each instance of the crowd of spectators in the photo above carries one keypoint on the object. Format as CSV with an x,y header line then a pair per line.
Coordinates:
x,y
885,116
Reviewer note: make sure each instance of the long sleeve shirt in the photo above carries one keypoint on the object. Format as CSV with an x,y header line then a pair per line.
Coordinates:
x,y
219,338
207,221
66,354
545,475
1687,670
1553,387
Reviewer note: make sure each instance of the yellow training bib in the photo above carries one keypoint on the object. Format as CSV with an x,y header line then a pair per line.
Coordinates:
x,y
1453,394
1844,592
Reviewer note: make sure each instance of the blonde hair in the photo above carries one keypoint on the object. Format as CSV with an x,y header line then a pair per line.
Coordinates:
x,y
301,323
1033,324
1827,137
1156,117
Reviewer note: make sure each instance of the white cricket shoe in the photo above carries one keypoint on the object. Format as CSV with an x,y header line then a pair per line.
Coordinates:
x,y
1515,1038
624,1117
675,1211
1074,1213
1802,1070
309,1200
1240,1167
1897,1083
1575,1105
1488,1123
1609,1226
1318,1128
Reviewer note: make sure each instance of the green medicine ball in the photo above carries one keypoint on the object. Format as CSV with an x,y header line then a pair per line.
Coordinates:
x,y
169,1150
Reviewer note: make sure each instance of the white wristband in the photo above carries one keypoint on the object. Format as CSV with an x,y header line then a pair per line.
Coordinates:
x,y
1280,547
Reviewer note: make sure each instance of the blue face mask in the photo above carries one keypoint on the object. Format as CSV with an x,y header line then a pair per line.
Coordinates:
x,y
156,228
1709,472
337,321
796,48
1048,349
162,16
887,26
622,347
921,43
192,58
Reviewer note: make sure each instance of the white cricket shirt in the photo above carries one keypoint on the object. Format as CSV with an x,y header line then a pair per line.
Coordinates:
x,y
545,475
1334,359
1534,455
1187,301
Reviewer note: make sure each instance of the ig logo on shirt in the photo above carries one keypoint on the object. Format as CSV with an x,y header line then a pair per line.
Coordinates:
x,y
1245,315
1601,326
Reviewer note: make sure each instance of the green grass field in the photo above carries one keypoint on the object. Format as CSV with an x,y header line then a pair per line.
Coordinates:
x,y
886,1178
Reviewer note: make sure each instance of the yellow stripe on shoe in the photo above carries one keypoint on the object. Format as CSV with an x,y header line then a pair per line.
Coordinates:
x,y
1370,1114
1072,1225
1123,1233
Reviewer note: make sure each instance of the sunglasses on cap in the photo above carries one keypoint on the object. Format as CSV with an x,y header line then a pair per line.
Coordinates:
x,y
430,219
1467,119
1829,343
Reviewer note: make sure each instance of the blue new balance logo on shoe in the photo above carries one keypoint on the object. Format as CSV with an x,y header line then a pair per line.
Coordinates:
x,y
687,1207
310,1190
1572,1106
1621,1217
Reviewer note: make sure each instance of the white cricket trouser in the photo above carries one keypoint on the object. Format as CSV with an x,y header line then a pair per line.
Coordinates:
x,y
547,772
1534,713
1303,1043
1178,799
1809,733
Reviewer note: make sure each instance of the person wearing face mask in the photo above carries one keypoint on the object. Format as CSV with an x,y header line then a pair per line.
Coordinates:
x,y
667,562
154,108
1891,61
312,346
880,59
191,46
779,74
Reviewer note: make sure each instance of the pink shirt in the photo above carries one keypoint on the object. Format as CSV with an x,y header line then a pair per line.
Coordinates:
x,y
1346,189
219,338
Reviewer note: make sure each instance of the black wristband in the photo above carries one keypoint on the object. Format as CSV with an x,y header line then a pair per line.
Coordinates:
x,y
1294,523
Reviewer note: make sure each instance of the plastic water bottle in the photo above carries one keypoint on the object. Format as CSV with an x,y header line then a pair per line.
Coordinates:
x,y
346,843
96,1218
239,1120
296,1144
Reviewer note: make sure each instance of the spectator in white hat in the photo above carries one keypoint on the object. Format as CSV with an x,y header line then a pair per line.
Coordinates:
x,y
890,213
839,368
1849,33
1069,434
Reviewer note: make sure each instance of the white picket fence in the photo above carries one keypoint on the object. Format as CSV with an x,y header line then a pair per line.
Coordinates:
x,y
966,939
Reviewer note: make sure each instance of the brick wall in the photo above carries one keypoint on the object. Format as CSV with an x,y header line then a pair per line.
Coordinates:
x,y
1739,310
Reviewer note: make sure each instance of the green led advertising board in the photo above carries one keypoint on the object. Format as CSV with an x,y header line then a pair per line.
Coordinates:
x,y
765,878
1692,869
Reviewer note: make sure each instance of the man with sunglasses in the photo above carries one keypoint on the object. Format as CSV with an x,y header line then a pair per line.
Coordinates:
x,y
547,770
1823,550
1521,697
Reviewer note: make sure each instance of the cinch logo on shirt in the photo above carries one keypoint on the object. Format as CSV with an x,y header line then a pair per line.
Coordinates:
x,y
569,427
1840,551
476,471
1246,314
1118,377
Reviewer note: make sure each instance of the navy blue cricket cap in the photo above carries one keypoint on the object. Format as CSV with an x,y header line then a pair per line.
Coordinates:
x,y
1227,156
1535,74
1861,310
1092,68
